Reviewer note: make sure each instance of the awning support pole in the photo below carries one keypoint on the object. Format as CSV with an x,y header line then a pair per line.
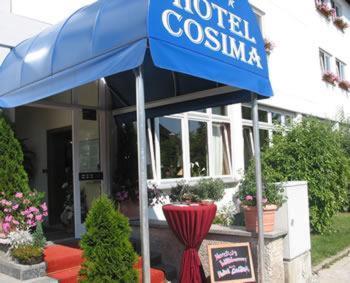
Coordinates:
x,y
142,168
258,188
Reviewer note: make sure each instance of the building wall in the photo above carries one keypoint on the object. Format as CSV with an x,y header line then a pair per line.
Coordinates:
x,y
299,30
32,125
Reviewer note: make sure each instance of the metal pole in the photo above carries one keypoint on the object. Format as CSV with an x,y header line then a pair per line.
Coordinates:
x,y
142,168
258,188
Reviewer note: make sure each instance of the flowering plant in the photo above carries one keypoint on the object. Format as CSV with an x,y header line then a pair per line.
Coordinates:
x,y
330,77
20,238
345,85
341,23
21,210
325,9
269,45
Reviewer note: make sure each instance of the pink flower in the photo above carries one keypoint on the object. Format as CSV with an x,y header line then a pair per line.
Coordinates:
x,y
25,212
3,202
15,207
8,218
45,213
8,203
26,201
30,222
30,216
39,217
19,195
33,209
15,222
249,198
6,227
264,200
44,206
7,210
3,193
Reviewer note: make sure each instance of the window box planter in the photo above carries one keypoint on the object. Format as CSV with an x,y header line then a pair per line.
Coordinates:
x,y
330,78
341,23
324,9
345,85
269,46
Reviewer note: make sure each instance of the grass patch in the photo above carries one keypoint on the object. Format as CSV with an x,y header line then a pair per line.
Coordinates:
x,y
327,245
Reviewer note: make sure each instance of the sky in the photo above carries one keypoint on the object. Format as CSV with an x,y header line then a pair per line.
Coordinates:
x,y
48,11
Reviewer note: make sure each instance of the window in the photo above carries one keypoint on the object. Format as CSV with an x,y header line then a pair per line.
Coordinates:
x,y
340,69
269,121
198,138
337,8
247,114
170,141
325,61
221,149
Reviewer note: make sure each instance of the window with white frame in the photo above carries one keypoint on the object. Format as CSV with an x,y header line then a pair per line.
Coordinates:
x,y
181,146
325,61
340,69
269,120
337,7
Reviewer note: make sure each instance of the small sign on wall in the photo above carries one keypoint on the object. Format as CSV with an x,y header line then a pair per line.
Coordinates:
x,y
231,263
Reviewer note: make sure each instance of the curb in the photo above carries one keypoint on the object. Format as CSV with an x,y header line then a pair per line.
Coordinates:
x,y
330,261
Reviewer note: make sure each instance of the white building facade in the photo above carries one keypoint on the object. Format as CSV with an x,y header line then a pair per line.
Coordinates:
x,y
307,45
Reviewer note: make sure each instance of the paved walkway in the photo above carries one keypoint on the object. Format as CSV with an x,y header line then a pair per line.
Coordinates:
x,y
339,272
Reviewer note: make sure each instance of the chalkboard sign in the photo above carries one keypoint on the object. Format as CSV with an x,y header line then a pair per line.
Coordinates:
x,y
231,263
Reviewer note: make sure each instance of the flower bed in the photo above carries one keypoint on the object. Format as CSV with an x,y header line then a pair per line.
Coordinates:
x,y
341,23
345,85
330,77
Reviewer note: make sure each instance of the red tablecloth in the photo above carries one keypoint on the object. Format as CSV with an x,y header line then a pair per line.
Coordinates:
x,y
190,224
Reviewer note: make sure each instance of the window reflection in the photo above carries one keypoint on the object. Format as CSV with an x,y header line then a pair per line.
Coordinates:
x,y
170,148
198,148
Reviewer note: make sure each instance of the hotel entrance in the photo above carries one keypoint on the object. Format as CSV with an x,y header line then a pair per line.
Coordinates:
x,y
68,142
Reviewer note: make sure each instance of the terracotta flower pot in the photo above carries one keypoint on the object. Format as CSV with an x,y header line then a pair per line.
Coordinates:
x,y
251,218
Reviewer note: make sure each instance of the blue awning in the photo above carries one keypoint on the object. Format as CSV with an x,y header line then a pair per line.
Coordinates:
x,y
217,40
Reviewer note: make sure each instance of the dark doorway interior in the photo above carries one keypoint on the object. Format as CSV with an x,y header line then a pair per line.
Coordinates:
x,y
60,178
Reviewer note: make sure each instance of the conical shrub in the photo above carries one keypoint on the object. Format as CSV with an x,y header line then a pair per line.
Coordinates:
x,y
108,253
13,177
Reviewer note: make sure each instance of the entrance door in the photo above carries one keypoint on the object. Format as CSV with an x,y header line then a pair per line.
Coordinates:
x,y
88,181
60,178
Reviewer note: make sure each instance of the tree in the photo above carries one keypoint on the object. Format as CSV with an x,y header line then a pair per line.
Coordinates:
x,y
108,253
312,151
13,177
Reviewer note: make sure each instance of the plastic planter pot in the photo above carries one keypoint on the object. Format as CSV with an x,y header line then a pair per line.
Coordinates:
x,y
251,218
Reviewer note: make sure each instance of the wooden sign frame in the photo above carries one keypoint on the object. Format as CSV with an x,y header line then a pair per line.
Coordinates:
x,y
251,265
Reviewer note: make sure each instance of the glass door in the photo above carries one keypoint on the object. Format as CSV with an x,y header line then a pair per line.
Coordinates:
x,y
89,179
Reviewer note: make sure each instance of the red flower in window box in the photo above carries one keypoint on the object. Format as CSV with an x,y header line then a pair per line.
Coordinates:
x,y
345,85
341,23
325,9
269,46
330,77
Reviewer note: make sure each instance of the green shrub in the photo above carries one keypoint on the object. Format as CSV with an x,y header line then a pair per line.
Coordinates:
x,y
213,189
108,253
311,151
39,239
13,177
27,254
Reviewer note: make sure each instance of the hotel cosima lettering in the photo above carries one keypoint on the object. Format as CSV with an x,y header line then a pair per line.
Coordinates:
x,y
230,35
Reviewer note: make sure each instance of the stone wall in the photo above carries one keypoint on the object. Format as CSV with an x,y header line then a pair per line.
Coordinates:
x,y
162,240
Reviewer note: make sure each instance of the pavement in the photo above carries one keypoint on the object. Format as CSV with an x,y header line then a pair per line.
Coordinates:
x,y
339,272
6,279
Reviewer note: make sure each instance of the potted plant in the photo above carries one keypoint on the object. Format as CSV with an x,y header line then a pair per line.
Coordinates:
x,y
206,190
269,45
341,23
330,77
272,200
345,85
325,9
